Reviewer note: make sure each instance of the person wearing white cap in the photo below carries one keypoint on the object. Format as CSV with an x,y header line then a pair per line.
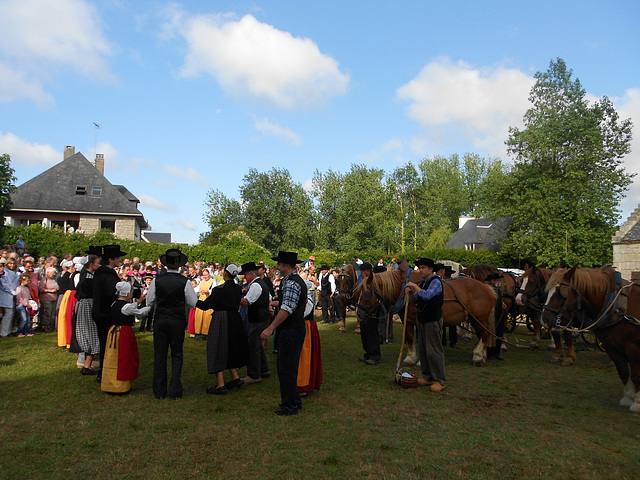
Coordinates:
x,y
121,358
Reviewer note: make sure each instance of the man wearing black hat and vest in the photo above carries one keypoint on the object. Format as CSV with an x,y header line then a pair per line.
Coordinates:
x,y
104,294
494,280
289,321
173,296
257,302
369,335
429,297
327,291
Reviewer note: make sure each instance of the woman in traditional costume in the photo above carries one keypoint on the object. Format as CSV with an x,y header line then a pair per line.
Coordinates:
x,y
310,365
202,318
227,347
67,303
121,359
86,329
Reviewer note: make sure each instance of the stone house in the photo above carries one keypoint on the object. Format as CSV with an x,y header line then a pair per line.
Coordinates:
x,y
479,233
626,246
75,193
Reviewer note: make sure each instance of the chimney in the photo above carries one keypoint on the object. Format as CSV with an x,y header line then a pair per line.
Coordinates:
x,y
100,162
69,151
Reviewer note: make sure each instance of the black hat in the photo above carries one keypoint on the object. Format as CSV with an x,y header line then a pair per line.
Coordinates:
x,y
248,267
379,269
493,276
290,258
366,266
424,261
438,266
173,258
94,250
324,267
112,251
448,270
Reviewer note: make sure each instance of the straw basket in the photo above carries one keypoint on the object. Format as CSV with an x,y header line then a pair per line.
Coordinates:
x,y
405,378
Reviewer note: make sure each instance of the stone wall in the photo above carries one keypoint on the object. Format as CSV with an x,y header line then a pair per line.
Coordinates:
x,y
626,258
126,228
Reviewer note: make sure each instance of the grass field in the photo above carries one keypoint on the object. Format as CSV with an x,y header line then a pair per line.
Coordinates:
x,y
522,418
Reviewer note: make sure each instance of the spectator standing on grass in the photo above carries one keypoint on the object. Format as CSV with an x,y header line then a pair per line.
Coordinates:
x,y
86,330
48,290
9,281
23,297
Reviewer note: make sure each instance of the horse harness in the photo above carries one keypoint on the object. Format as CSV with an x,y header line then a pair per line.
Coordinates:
x,y
613,311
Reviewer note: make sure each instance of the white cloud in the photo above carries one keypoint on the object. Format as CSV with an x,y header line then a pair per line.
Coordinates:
x,y
15,85
458,103
190,174
393,147
186,224
274,130
151,202
254,60
26,153
40,39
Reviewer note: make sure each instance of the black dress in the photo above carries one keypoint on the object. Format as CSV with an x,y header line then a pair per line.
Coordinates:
x,y
227,345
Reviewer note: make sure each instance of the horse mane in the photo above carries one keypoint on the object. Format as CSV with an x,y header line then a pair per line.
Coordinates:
x,y
589,281
480,271
387,283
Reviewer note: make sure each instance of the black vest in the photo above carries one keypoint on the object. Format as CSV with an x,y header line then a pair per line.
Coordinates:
x,y
325,285
170,302
118,318
295,319
258,311
431,310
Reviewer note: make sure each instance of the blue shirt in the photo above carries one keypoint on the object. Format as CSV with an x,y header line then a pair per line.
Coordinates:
x,y
290,294
435,288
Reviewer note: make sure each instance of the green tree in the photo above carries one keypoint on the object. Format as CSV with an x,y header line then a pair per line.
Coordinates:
x,y
276,210
221,210
7,186
404,185
567,181
326,190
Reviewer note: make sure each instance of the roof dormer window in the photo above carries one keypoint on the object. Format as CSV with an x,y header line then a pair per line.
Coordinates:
x,y
81,190
96,191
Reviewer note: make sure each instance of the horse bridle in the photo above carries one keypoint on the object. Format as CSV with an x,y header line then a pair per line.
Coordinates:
x,y
560,313
534,295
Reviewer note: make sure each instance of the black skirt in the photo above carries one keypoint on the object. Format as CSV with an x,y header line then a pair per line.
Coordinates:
x,y
227,345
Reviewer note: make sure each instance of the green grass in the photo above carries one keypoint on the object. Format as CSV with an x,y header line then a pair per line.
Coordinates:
x,y
521,418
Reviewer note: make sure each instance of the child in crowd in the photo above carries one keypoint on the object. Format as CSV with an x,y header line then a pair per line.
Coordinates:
x,y
23,296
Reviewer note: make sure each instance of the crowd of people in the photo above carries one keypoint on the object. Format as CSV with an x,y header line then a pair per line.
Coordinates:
x,y
95,299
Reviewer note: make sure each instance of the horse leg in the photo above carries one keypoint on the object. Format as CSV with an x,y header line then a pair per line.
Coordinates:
x,y
412,356
633,383
558,355
571,352
343,311
480,351
537,326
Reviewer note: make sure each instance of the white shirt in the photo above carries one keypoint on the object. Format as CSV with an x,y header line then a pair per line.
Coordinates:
x,y
332,281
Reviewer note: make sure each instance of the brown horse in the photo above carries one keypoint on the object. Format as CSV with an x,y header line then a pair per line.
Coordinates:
x,y
345,282
599,301
509,287
532,295
464,299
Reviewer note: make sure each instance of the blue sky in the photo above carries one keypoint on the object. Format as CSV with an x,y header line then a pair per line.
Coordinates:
x,y
191,95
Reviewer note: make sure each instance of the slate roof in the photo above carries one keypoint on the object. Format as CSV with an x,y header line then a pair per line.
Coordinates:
x,y
632,235
54,190
164,238
485,233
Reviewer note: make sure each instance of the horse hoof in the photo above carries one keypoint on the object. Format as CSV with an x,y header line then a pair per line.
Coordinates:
x,y
534,346
555,360
343,330
479,363
566,363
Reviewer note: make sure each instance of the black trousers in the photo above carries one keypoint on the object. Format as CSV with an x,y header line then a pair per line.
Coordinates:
x,y
257,360
168,333
327,304
290,341
370,337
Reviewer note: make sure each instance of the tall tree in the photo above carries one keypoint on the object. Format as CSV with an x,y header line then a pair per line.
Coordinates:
x,y
404,185
221,210
327,190
568,179
7,186
277,211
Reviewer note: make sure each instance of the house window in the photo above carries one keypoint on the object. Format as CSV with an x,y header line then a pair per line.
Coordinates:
x,y
470,246
96,192
108,225
81,190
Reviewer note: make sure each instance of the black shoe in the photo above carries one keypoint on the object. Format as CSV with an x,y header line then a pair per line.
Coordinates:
x,y
453,345
99,378
495,357
88,371
217,390
177,397
237,383
282,411
362,359
160,397
266,374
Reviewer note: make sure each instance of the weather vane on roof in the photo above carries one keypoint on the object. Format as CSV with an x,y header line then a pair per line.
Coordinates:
x,y
95,138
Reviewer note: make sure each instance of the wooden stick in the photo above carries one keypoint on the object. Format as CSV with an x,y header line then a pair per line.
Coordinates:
x,y
404,329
